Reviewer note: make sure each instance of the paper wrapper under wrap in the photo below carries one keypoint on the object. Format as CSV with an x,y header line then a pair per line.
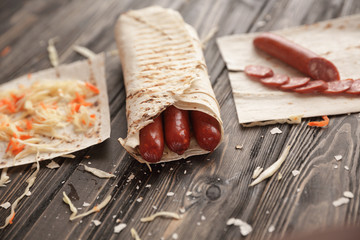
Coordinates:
x,y
163,65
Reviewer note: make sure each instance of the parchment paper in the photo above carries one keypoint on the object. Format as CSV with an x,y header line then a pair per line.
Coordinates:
x,y
92,71
337,40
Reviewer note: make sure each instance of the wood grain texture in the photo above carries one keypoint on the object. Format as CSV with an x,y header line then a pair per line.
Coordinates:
x,y
219,181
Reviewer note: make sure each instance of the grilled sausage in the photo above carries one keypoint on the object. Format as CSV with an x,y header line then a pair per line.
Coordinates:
x,y
206,130
177,129
152,141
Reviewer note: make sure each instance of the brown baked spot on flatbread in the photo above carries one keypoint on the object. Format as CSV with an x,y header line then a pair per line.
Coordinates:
x,y
350,47
327,53
147,101
341,27
135,93
329,25
136,122
91,74
159,84
201,66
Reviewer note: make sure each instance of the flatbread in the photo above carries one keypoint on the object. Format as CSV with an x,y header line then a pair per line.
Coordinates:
x,y
337,40
163,65
92,71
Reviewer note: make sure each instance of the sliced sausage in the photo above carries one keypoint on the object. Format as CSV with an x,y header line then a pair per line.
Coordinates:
x,y
152,141
258,71
355,87
177,129
335,87
297,56
312,87
275,81
206,130
295,82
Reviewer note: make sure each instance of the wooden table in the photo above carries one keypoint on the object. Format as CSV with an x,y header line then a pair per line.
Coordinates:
x,y
218,181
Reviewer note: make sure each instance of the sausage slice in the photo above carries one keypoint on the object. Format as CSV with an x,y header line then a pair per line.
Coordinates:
x,y
335,87
258,71
295,82
312,87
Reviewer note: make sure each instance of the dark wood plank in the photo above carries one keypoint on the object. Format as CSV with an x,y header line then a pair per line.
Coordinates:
x,y
304,203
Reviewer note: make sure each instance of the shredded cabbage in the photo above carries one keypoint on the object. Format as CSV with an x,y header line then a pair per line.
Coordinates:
x,y
30,181
74,211
161,214
4,178
97,172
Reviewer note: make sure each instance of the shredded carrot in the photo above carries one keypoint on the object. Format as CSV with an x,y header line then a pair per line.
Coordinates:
x,y
43,105
16,98
19,129
29,76
6,50
75,107
92,115
92,87
28,124
24,137
12,218
10,105
320,123
9,145
83,122
80,99
72,107
14,146
96,209
17,149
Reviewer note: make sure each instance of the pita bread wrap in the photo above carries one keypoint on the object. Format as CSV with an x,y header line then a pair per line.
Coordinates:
x,y
163,65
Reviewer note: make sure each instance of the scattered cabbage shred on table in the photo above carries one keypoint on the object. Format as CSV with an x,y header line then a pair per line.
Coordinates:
x,y
31,115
